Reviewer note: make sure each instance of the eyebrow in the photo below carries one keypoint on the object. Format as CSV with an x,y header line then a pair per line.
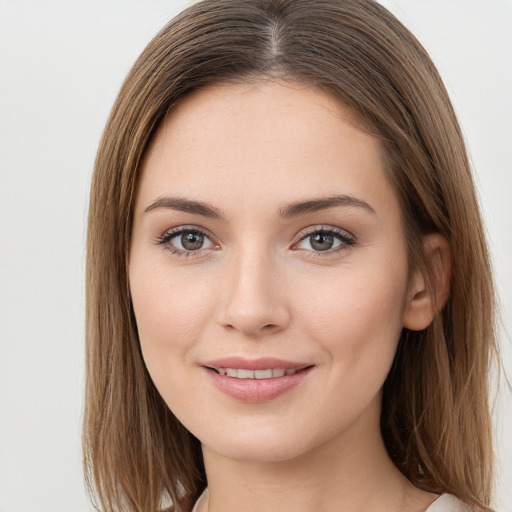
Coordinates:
x,y
292,210
185,205
315,205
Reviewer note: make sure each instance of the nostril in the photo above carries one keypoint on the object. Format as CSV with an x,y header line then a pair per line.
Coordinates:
x,y
253,317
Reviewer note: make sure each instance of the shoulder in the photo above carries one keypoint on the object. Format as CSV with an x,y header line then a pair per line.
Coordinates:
x,y
201,504
448,503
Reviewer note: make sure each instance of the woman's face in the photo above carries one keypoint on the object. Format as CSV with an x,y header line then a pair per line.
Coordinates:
x,y
268,270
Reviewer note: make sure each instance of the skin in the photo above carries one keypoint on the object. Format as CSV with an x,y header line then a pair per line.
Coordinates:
x,y
257,287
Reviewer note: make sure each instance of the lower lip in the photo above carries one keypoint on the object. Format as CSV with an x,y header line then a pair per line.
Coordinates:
x,y
257,390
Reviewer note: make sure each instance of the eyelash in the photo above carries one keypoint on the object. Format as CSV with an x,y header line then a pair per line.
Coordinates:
x,y
166,238
346,240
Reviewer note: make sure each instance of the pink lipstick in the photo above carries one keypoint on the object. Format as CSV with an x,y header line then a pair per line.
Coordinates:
x,y
257,380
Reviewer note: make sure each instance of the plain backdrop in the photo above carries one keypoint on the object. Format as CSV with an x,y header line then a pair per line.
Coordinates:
x,y
61,66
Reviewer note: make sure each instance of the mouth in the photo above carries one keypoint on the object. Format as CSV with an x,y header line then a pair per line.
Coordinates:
x,y
244,373
259,380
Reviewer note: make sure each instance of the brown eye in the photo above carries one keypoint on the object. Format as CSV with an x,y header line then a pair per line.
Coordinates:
x,y
322,241
186,241
192,241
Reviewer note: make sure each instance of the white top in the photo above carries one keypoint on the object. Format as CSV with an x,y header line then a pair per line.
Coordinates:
x,y
445,503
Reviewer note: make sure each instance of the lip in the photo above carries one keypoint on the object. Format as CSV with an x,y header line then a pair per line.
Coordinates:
x,y
256,390
263,363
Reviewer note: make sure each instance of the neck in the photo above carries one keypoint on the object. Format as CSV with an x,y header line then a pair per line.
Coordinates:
x,y
351,472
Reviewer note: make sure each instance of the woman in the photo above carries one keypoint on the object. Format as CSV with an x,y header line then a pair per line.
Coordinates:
x,y
289,297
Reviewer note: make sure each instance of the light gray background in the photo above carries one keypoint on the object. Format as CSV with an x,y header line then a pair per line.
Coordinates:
x,y
61,65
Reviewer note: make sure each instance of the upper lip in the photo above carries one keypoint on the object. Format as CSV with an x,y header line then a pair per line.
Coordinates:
x,y
263,363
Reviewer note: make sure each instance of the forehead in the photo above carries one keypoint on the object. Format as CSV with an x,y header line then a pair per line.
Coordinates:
x,y
271,140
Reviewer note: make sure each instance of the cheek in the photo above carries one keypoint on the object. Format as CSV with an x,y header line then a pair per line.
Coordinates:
x,y
170,310
359,320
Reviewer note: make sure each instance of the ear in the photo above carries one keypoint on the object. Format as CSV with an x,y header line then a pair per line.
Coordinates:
x,y
430,286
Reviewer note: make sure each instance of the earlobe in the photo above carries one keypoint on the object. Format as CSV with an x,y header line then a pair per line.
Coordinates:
x,y
430,286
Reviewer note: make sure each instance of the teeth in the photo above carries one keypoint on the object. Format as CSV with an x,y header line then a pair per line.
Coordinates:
x,y
262,374
242,373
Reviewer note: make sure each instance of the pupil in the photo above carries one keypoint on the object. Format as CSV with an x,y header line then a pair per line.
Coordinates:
x,y
192,241
322,242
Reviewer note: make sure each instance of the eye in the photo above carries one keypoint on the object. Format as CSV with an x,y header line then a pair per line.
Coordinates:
x,y
186,241
325,239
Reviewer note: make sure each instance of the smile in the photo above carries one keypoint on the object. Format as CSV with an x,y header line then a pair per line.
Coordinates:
x,y
254,381
243,373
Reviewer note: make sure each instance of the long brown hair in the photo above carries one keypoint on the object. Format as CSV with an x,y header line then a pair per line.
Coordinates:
x,y
435,414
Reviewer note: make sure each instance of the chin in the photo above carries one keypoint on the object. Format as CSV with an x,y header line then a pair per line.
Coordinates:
x,y
259,444
255,452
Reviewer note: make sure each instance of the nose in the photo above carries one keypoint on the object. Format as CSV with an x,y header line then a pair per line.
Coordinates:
x,y
253,298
